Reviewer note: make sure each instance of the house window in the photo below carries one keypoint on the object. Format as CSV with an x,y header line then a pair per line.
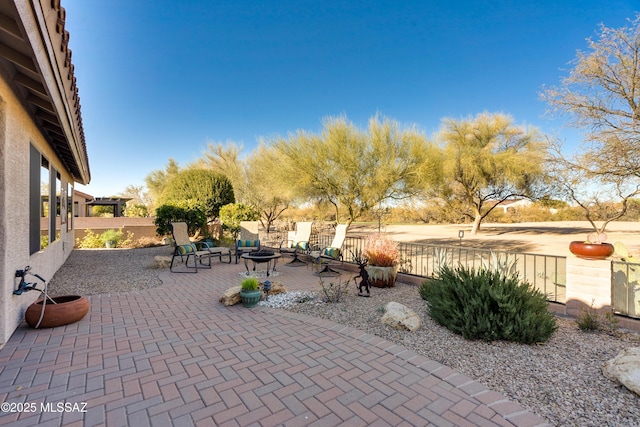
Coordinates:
x,y
39,208
45,203
69,207
56,219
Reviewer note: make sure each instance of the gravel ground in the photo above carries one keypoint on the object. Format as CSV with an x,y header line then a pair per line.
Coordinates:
x,y
112,271
561,380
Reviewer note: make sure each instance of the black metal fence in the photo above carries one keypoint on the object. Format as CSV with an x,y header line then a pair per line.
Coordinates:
x,y
625,288
545,272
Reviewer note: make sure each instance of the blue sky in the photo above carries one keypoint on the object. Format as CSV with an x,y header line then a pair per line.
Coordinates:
x,y
160,78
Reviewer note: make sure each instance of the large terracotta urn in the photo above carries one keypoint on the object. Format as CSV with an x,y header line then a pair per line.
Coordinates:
x,y
67,309
592,251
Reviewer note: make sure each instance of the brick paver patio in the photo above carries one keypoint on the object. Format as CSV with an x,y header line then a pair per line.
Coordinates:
x,y
173,355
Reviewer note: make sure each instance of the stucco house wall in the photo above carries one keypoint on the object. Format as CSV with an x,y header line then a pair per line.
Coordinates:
x,y
19,132
39,116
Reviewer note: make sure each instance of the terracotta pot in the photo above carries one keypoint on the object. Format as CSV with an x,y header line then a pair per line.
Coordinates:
x,y
591,250
382,277
68,309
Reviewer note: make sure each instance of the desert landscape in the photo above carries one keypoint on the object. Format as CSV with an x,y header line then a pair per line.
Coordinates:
x,y
549,238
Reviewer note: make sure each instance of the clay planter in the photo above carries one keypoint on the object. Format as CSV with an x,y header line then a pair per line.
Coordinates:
x,y
69,309
591,250
382,277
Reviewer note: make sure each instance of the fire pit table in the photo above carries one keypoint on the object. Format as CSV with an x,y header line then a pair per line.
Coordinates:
x,y
261,257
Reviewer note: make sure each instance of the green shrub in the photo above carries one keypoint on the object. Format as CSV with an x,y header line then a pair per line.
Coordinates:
x,y
90,240
231,215
179,212
204,188
488,305
590,319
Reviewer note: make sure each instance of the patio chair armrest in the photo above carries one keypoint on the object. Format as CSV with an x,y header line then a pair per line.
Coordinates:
x,y
202,246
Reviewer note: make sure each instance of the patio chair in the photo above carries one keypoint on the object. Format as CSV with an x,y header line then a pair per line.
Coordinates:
x,y
331,253
298,242
249,240
218,251
185,248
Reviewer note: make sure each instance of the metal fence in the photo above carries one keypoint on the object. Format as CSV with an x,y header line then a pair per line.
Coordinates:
x,y
625,288
545,272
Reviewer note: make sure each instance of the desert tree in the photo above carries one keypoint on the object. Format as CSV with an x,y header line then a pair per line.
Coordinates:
x,y
254,182
601,97
267,191
602,197
353,169
227,160
157,179
487,160
140,204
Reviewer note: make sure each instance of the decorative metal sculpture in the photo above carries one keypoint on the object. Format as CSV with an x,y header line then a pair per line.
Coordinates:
x,y
363,275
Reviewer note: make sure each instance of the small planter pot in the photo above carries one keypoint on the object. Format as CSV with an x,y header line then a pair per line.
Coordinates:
x,y
593,251
250,298
382,277
68,309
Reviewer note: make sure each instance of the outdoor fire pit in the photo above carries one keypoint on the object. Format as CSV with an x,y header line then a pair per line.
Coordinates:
x,y
261,257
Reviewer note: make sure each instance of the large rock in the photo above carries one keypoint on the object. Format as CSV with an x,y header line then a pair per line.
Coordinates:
x,y
401,317
232,295
625,369
277,288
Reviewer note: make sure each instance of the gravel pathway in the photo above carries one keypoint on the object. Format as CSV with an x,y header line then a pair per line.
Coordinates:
x,y
561,380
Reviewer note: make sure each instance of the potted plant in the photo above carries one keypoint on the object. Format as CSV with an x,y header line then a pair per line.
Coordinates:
x,y
383,257
595,246
250,292
603,197
111,238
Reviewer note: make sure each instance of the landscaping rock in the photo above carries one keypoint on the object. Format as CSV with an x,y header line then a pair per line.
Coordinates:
x,y
277,288
231,296
401,317
625,369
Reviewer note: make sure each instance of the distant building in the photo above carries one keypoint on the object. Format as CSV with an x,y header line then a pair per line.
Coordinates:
x,y
83,204
42,148
80,202
510,206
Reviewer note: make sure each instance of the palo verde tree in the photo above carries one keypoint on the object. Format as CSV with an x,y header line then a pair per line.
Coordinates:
x,y
266,191
254,182
157,180
353,169
226,160
487,160
601,97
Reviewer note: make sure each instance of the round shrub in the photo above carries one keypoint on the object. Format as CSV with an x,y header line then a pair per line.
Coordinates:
x,y
489,305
